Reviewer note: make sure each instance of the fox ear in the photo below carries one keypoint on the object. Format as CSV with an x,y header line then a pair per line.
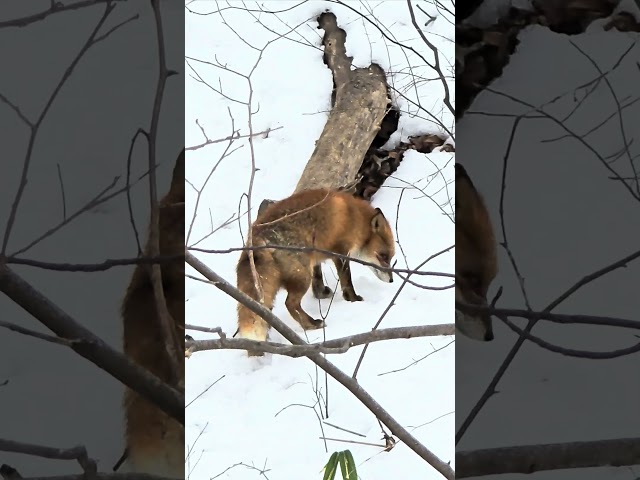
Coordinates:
x,y
376,221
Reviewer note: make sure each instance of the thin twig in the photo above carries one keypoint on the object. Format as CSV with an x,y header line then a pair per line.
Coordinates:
x,y
79,454
357,442
335,255
35,127
172,344
392,302
264,134
93,267
42,336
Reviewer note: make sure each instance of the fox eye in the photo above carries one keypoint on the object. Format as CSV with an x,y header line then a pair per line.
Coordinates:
x,y
383,257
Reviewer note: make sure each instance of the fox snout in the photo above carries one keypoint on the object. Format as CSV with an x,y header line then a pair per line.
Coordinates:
x,y
476,327
383,261
386,277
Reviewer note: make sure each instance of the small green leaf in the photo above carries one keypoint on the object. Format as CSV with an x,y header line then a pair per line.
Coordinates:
x,y
348,466
331,468
343,466
351,463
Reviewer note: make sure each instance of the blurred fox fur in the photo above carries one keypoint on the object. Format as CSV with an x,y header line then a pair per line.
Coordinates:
x,y
319,218
154,440
476,257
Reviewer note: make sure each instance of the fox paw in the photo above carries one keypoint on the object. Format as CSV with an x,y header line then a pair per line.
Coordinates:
x,y
315,325
324,292
351,296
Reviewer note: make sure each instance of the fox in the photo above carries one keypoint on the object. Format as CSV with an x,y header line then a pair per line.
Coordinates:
x,y
154,440
476,257
320,218
320,290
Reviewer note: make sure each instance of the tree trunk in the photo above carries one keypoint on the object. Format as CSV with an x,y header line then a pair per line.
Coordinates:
x,y
360,103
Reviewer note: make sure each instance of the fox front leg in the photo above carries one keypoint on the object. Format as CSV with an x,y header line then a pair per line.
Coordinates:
x,y
320,290
344,274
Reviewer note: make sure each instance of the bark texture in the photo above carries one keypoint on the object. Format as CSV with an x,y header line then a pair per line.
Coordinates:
x,y
361,102
379,164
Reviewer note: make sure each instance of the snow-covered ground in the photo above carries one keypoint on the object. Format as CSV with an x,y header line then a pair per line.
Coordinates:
x,y
269,413
565,218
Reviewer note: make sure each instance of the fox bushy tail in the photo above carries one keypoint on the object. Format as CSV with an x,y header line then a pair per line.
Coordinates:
x,y
250,325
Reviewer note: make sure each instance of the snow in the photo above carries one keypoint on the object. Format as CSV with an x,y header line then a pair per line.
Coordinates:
x,y
565,218
268,413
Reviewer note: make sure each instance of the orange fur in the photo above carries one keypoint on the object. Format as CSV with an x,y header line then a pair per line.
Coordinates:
x,y
319,218
476,257
155,441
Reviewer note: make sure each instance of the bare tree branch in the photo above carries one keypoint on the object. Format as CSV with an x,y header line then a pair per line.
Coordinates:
x,y
574,135
79,454
90,346
564,319
338,345
405,280
172,344
93,267
217,330
330,254
96,201
31,333
226,153
208,141
570,352
436,59
35,126
56,7
491,388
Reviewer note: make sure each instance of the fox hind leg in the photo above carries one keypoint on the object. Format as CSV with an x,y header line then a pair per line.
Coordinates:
x,y
251,327
297,282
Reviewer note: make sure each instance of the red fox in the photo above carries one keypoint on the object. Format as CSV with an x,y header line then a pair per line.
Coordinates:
x,y
320,290
155,441
476,258
322,219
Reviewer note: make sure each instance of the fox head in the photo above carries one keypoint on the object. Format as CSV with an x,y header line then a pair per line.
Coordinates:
x,y
380,246
476,258
474,326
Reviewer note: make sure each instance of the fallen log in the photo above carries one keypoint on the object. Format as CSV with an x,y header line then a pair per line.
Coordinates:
x,y
360,101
